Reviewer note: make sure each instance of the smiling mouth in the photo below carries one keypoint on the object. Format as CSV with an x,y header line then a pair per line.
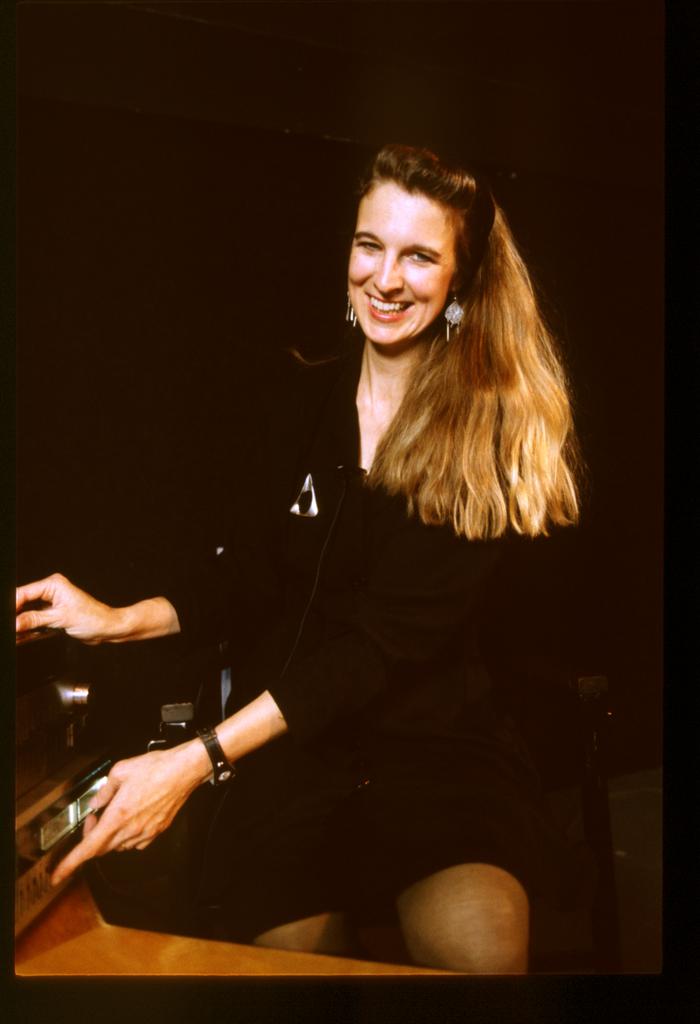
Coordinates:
x,y
387,308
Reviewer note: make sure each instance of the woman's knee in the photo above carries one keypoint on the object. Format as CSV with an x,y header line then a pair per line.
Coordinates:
x,y
472,918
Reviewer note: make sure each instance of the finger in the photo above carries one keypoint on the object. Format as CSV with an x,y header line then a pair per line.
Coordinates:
x,y
104,794
40,590
89,823
139,842
36,619
77,856
92,845
100,839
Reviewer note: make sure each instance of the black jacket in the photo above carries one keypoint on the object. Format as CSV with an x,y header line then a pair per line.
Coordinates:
x,y
359,619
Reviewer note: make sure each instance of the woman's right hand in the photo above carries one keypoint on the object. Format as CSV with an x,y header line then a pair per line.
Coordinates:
x,y
65,607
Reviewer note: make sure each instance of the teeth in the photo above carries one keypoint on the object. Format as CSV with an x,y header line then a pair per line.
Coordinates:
x,y
387,307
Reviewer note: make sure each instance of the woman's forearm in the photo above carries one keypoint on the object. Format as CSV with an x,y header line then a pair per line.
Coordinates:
x,y
145,620
143,794
243,732
251,727
62,605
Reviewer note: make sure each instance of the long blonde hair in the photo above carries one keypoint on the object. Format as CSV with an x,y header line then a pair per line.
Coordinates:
x,y
483,438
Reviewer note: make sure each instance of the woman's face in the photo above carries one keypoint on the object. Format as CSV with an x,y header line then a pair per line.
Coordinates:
x,y
402,264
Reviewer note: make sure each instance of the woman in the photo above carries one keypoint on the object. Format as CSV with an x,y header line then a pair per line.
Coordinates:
x,y
376,488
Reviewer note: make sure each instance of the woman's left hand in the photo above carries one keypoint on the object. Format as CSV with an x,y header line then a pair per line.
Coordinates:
x,y
141,797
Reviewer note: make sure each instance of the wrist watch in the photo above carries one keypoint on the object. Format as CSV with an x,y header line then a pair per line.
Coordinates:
x,y
223,769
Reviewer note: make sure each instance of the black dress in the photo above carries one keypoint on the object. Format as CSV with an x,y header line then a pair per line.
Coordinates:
x,y
360,621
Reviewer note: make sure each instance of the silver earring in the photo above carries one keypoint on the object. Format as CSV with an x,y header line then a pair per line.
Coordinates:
x,y
454,314
351,315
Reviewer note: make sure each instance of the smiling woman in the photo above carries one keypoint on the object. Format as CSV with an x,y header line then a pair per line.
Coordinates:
x,y
378,778
483,437
402,265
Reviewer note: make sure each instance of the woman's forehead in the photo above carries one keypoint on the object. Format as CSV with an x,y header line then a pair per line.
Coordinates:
x,y
391,209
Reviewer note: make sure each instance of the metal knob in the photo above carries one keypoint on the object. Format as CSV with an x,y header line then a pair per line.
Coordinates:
x,y
72,695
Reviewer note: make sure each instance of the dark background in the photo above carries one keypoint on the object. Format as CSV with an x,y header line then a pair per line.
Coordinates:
x,y
185,178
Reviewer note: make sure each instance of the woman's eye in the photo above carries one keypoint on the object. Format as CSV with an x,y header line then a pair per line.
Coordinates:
x,y
369,246
421,257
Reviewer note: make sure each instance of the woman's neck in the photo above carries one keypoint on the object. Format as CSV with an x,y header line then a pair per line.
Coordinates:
x,y
384,376
383,380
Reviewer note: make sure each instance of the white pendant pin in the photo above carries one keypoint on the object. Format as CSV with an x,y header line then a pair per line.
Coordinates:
x,y
306,504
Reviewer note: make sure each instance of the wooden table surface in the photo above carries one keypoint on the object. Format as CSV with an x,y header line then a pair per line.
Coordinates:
x,y
72,938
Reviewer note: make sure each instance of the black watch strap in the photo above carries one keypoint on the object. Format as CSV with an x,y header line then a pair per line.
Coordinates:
x,y
223,769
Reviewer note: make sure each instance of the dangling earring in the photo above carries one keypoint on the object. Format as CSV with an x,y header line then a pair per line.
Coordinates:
x,y
454,314
351,315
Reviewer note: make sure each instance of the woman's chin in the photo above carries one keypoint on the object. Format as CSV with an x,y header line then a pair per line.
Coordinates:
x,y
396,345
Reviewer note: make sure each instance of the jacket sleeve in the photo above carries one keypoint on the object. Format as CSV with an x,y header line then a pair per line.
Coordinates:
x,y
415,605
208,593
221,580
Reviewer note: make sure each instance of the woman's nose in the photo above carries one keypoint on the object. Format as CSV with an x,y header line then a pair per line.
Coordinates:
x,y
388,276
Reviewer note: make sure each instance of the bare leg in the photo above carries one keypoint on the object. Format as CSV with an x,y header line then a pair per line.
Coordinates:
x,y
323,933
472,918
